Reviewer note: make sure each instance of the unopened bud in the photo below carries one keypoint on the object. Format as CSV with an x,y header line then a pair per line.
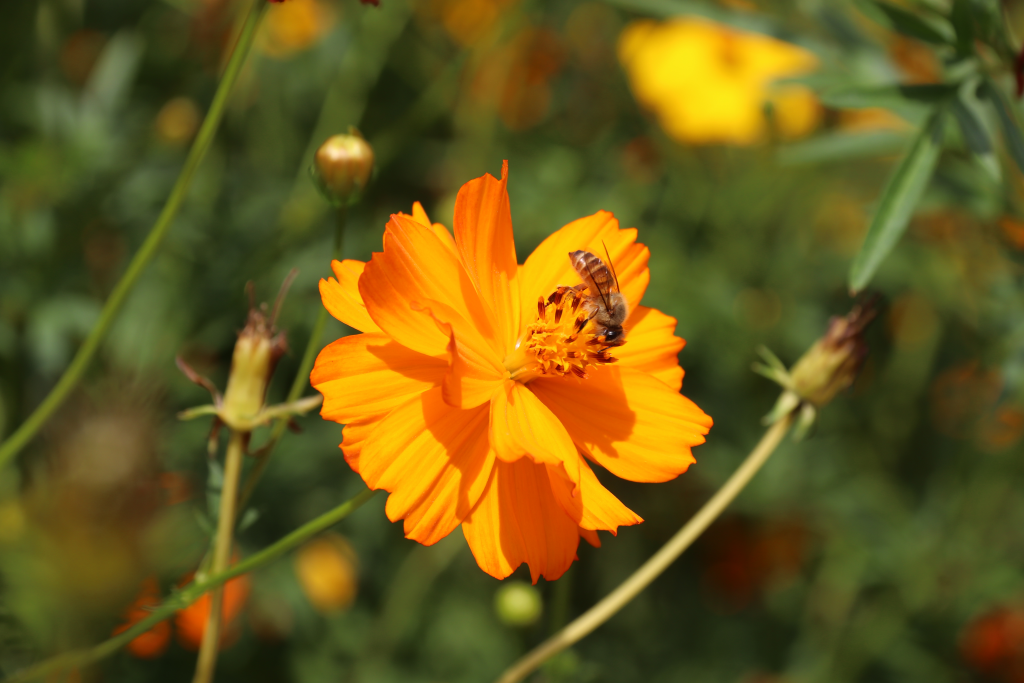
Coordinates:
x,y
828,367
256,354
518,604
342,167
832,363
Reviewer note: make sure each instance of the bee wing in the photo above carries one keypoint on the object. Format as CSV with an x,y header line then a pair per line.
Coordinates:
x,y
594,274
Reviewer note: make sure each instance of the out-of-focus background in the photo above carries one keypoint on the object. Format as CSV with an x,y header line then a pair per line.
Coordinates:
x,y
886,547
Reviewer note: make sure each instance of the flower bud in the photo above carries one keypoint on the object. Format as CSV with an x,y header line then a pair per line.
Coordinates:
x,y
342,167
832,363
256,354
518,604
828,367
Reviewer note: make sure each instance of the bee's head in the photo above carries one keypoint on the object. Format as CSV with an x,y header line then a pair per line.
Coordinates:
x,y
614,336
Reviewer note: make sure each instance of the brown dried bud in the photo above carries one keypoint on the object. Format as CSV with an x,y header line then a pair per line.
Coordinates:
x,y
832,363
342,167
256,354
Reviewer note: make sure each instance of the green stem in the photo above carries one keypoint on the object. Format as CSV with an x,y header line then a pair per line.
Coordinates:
x,y
221,555
13,445
659,562
189,594
301,380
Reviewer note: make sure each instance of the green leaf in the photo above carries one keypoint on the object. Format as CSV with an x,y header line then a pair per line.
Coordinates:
x,y
930,30
1008,119
973,130
969,114
887,96
962,18
899,198
833,147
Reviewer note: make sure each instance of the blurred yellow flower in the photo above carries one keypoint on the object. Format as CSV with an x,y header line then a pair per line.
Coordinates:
x,y
295,26
177,121
326,568
708,83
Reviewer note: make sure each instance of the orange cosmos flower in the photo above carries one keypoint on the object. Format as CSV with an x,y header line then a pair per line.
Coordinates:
x,y
476,398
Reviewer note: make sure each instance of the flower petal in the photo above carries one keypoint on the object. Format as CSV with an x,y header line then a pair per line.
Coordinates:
x,y
594,507
629,422
420,216
434,459
366,376
474,371
342,299
652,346
548,266
521,425
590,537
416,266
354,437
483,233
518,520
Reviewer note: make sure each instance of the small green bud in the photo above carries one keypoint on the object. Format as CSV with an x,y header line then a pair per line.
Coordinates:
x,y
828,367
518,604
342,167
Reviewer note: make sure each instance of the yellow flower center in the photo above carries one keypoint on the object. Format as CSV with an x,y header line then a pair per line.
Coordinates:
x,y
562,340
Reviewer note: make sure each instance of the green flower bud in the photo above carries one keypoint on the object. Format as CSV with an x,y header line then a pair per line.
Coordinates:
x,y
342,168
256,354
518,604
828,367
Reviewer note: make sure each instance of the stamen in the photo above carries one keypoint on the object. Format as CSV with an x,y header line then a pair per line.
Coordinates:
x,y
559,344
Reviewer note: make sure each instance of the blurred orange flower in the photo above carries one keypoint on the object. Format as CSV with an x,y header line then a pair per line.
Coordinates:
x,y
190,623
708,83
466,21
295,26
153,642
480,388
993,643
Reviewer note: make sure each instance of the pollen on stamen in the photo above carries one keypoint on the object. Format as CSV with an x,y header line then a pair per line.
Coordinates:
x,y
559,344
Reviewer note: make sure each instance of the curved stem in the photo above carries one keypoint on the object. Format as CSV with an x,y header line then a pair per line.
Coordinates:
x,y
189,594
221,554
659,562
301,380
145,254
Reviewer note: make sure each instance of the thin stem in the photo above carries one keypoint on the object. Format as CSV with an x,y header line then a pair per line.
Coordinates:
x,y
189,594
221,554
659,562
301,380
13,445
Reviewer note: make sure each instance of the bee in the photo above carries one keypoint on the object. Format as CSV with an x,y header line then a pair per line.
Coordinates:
x,y
603,301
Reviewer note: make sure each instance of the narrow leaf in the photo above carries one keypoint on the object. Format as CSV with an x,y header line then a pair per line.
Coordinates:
x,y
914,25
1011,128
974,133
899,198
962,17
887,96
836,147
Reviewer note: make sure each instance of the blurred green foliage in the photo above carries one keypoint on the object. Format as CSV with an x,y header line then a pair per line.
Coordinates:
x,y
867,552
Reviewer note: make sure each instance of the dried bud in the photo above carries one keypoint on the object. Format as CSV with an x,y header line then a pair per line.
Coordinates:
x,y
342,167
832,363
828,367
256,354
